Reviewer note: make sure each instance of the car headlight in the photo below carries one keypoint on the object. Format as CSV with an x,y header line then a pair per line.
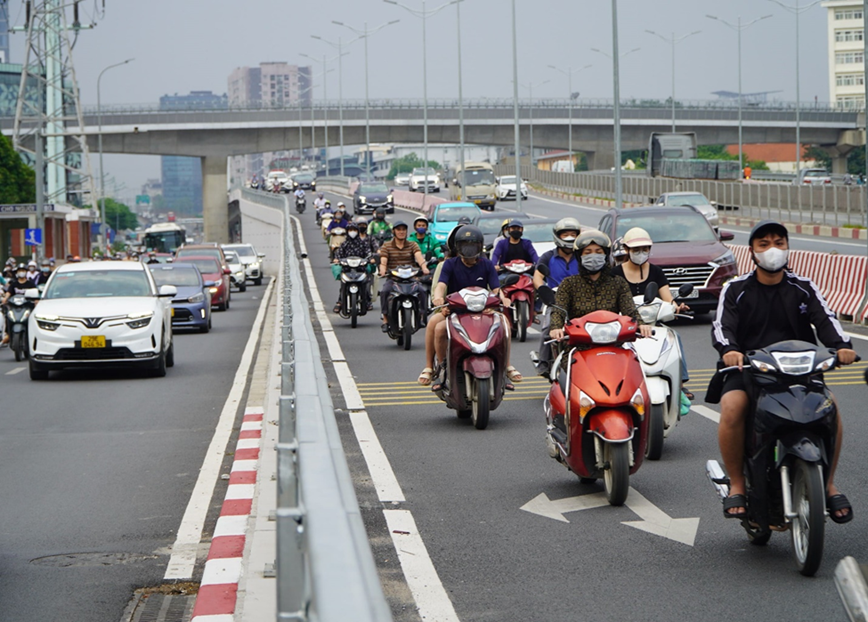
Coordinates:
x,y
213,290
139,320
196,298
240,275
48,322
727,259
440,237
389,199
363,199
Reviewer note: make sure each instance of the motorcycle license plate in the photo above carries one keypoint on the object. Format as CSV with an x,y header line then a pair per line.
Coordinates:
x,y
93,341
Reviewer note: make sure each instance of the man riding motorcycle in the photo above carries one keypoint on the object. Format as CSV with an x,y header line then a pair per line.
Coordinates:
x,y
513,246
18,286
319,202
340,220
399,251
378,227
756,310
354,246
467,269
426,242
561,262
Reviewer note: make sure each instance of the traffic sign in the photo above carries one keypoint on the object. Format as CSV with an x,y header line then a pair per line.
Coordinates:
x,y
33,237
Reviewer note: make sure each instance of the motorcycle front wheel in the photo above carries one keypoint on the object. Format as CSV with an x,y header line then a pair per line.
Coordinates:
x,y
807,528
521,313
354,310
654,446
617,476
482,404
408,328
17,347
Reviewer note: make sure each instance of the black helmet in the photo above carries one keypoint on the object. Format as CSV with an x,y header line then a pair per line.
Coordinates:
x,y
464,220
380,212
764,227
469,242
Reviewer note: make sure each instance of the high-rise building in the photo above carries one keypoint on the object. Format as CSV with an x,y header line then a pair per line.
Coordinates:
x,y
846,53
271,85
182,177
4,33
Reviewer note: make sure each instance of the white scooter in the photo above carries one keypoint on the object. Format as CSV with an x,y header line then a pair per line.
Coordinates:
x,y
660,357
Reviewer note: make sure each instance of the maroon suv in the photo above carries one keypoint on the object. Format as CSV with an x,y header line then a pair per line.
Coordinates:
x,y
685,246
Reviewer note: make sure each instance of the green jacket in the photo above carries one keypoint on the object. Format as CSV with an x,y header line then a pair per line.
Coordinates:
x,y
429,246
378,226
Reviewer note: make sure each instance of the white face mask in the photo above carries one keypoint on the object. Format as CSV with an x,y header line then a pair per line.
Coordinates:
x,y
352,233
772,260
639,257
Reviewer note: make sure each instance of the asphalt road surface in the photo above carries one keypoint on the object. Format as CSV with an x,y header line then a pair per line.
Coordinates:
x,y
466,489
98,467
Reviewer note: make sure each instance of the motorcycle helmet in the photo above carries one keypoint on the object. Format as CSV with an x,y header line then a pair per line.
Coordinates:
x,y
328,203
565,224
397,224
464,220
637,238
341,206
592,236
469,242
380,213
619,251
360,220
419,219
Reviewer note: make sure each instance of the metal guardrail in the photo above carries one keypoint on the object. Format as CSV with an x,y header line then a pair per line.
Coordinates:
x,y
325,568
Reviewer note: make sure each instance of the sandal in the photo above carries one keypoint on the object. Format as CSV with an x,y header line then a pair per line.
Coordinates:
x,y
733,502
836,503
337,308
689,395
513,374
425,376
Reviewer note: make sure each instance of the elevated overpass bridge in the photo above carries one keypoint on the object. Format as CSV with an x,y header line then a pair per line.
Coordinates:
x,y
215,135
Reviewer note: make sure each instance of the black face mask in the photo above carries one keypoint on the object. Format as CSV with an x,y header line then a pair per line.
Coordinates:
x,y
515,235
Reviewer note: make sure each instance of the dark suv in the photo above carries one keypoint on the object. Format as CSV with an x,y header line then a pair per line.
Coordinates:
x,y
685,246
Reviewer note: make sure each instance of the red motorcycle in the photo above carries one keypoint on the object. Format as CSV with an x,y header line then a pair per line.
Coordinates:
x,y
596,406
521,293
475,378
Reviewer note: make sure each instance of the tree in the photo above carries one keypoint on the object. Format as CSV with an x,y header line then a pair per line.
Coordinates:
x,y
118,216
408,163
820,156
17,180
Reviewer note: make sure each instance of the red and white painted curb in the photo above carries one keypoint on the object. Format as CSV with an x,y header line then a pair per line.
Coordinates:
x,y
218,591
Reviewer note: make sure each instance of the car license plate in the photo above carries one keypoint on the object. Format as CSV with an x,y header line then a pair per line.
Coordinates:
x,y
693,294
93,341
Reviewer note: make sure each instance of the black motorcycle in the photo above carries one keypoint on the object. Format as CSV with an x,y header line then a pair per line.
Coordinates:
x,y
789,445
18,309
300,204
405,315
354,288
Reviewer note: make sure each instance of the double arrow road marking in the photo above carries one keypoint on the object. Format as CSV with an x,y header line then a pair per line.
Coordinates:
x,y
654,520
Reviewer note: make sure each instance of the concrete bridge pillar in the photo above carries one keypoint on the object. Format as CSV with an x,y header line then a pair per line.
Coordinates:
x,y
839,164
215,203
600,160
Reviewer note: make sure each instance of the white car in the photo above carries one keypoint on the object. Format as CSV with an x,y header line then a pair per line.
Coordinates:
x,y
251,260
238,276
402,179
695,199
418,177
101,313
506,188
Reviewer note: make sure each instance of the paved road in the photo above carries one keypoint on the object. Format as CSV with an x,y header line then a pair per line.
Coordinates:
x,y
497,562
99,465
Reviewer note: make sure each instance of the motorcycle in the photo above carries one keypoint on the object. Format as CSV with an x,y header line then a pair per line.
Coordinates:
x,y
325,221
789,444
300,204
522,296
18,309
354,288
404,314
336,237
475,378
596,407
660,357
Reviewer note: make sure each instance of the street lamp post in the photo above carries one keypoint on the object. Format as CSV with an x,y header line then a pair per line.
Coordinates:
x,y
616,57
365,34
515,112
102,223
797,11
460,102
569,74
339,46
739,27
530,88
325,71
424,15
673,41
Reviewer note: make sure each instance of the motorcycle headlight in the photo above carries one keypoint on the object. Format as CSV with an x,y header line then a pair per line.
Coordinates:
x,y
196,298
139,320
727,259
794,363
825,365
26,314
354,262
603,333
475,301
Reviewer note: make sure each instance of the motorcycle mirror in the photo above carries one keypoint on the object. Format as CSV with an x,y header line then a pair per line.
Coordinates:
x,y
651,292
509,279
547,295
32,294
543,269
685,290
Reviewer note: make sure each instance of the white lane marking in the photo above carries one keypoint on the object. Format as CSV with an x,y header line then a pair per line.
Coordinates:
x,y
706,412
231,525
240,491
577,204
532,331
431,598
388,488
17,370
222,571
856,336
334,346
186,546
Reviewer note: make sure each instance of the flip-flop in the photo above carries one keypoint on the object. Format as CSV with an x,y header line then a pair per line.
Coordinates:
x,y
513,374
733,502
836,503
425,376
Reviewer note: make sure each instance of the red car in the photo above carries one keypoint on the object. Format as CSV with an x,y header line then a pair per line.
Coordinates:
x,y
215,276
685,246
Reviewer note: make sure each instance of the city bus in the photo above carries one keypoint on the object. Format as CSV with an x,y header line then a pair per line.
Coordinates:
x,y
164,237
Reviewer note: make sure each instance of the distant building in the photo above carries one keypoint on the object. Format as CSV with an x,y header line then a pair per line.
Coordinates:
x,y
846,52
4,35
182,177
778,156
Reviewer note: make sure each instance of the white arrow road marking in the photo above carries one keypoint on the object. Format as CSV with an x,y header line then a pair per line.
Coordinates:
x,y
654,520
706,412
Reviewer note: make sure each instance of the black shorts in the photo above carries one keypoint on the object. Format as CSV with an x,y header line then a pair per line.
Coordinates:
x,y
734,381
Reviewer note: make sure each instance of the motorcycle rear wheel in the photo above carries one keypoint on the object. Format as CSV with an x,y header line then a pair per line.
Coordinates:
x,y
521,314
482,404
408,328
654,446
617,477
807,528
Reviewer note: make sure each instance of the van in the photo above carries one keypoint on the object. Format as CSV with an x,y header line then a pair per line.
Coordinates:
x,y
475,184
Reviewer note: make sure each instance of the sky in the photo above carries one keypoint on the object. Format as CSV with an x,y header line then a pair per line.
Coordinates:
x,y
185,45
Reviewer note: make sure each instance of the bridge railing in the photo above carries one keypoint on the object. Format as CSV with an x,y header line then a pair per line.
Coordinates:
x,y
833,205
325,568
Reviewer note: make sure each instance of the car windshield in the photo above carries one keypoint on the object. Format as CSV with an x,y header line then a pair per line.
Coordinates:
x,y
538,232
373,189
244,251
206,266
688,199
489,225
204,252
816,174
687,226
423,171
508,179
98,284
176,275
454,214
479,177
303,178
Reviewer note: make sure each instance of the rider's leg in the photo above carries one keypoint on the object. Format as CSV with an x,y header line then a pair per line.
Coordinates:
x,y
433,321
545,349
730,436
384,299
831,489
440,339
